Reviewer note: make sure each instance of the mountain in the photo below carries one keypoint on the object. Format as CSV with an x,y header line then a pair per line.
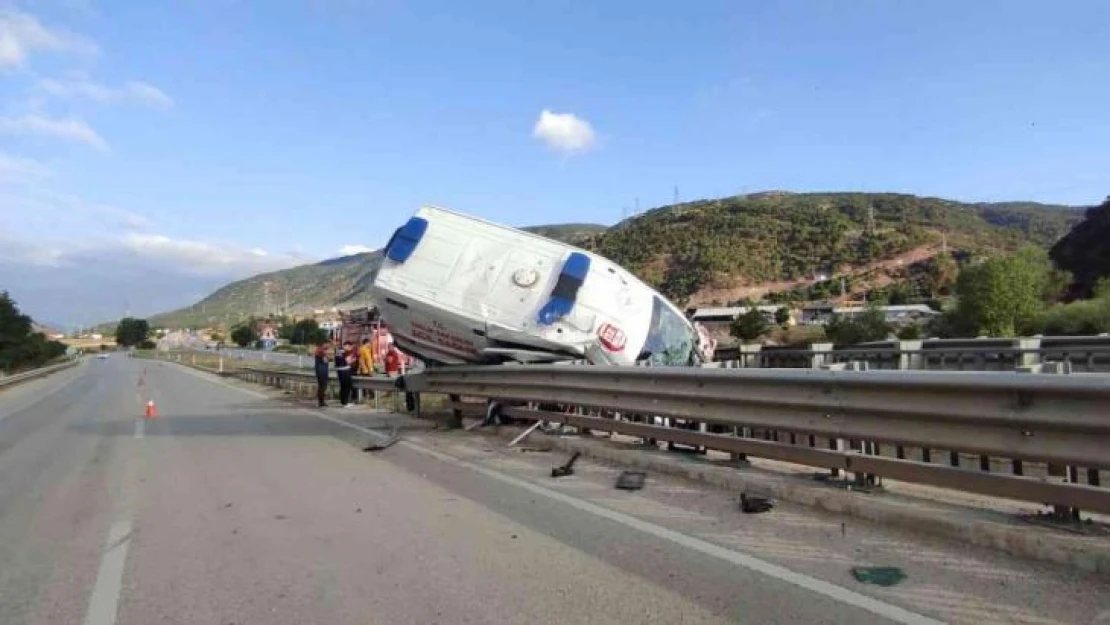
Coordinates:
x,y
1085,251
727,249
337,282
712,251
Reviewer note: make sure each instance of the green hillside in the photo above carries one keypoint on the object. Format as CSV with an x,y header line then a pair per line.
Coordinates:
x,y
1085,251
760,239
775,237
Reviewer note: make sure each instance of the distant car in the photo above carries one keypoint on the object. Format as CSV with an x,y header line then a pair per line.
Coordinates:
x,y
102,356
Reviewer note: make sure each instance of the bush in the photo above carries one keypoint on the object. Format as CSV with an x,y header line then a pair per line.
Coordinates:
x,y
750,325
244,335
870,325
911,332
1084,317
147,344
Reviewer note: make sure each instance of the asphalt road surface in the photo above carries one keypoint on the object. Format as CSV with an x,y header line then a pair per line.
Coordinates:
x,y
236,506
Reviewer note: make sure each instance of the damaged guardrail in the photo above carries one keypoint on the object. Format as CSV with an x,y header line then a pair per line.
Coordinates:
x,y
863,422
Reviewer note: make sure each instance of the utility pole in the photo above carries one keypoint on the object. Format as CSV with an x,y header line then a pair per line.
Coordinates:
x,y
676,195
637,206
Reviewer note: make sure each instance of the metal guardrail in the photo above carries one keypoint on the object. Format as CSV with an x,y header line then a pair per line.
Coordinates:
x,y
1085,353
19,378
861,422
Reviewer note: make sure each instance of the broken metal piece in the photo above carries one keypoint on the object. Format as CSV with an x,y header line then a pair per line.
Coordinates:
x,y
754,505
525,433
631,480
566,469
879,575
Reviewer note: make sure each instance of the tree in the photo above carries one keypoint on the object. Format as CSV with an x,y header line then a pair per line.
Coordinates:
x,y
244,335
307,332
869,325
131,331
20,347
750,325
940,274
1002,295
911,332
782,316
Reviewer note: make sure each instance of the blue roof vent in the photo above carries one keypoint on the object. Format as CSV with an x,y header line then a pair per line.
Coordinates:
x,y
404,241
566,288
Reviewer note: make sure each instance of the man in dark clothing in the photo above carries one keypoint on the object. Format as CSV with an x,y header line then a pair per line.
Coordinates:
x,y
321,373
343,362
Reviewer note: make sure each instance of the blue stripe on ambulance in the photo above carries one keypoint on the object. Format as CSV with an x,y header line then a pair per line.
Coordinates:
x,y
404,241
566,288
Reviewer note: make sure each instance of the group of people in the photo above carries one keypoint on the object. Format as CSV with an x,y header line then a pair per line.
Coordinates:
x,y
348,363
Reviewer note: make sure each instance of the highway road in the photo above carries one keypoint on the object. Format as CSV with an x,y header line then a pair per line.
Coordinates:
x,y
237,505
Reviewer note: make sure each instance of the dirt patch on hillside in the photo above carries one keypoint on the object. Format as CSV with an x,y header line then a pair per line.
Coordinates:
x,y
867,276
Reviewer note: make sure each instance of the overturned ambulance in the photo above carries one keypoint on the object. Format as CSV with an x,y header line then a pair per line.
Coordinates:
x,y
455,289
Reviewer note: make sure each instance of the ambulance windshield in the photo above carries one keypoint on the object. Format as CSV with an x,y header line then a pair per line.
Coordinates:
x,y
671,339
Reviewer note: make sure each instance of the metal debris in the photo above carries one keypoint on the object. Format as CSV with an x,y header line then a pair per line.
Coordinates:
x,y
754,505
631,480
878,575
566,469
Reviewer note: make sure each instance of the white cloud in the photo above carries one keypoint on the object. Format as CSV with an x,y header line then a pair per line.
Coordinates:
x,y
204,258
21,35
19,169
133,91
564,132
67,129
348,250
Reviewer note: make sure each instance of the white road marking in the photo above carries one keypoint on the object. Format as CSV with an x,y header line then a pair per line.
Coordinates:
x,y
138,428
104,602
812,584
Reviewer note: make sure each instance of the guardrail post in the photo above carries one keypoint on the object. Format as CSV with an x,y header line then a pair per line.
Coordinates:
x,y
749,356
1028,352
456,412
819,354
221,363
1068,472
909,355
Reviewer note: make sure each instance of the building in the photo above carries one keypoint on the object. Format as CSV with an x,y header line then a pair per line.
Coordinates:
x,y
720,319
820,314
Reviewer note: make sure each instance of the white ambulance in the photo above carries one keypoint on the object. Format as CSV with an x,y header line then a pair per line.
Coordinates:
x,y
455,289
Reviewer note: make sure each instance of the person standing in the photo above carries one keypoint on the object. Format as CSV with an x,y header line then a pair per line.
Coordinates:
x,y
366,358
343,361
321,373
393,362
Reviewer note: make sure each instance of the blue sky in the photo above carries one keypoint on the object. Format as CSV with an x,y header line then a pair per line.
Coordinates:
x,y
150,151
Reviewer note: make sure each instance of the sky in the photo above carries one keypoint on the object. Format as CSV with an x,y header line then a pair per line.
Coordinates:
x,y
152,151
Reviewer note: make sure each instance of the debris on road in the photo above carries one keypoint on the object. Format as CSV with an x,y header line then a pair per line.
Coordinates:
x,y
387,443
631,480
525,433
754,505
878,575
566,469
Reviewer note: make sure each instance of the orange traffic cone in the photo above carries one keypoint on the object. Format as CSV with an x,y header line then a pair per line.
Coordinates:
x,y
151,410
